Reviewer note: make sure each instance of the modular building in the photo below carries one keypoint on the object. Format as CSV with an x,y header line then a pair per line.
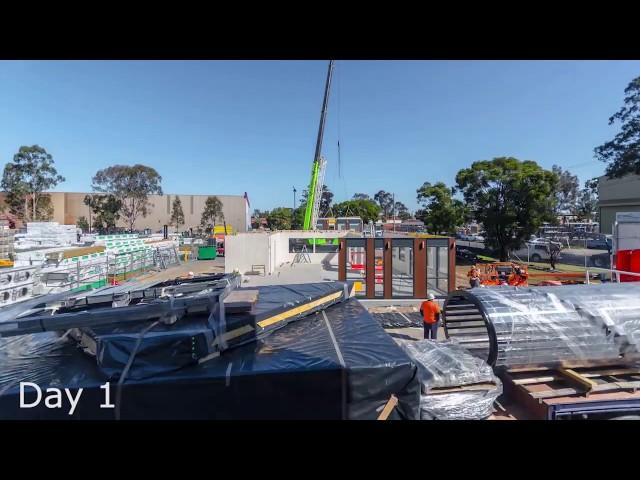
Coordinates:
x,y
617,195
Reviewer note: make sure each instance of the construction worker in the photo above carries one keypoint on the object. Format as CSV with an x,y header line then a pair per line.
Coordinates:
x,y
474,277
431,317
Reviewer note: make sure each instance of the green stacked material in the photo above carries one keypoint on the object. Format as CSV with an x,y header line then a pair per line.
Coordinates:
x,y
207,253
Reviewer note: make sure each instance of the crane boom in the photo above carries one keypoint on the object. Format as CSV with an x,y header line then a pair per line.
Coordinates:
x,y
317,170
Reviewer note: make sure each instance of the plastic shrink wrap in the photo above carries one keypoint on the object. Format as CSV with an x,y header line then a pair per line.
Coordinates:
x,y
332,364
560,326
442,365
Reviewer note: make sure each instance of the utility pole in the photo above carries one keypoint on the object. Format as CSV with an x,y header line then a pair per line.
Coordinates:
x,y
89,218
294,197
393,215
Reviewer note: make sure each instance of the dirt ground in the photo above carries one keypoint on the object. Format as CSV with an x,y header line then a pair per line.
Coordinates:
x,y
462,281
195,266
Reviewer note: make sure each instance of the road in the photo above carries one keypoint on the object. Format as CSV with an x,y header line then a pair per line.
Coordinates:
x,y
569,256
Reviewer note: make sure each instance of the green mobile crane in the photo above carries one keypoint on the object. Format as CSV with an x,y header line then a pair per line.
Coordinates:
x,y
319,164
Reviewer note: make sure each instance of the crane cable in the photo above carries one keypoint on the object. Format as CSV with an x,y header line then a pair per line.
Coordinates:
x,y
339,115
339,156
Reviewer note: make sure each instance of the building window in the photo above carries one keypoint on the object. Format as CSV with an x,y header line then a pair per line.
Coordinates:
x,y
379,267
402,268
438,266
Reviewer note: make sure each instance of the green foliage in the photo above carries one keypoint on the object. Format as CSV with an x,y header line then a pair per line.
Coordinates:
x,y
325,201
31,172
365,209
44,209
587,201
441,213
567,192
106,209
385,200
511,198
297,217
212,212
280,218
256,216
132,185
177,215
82,224
623,152
401,211
361,196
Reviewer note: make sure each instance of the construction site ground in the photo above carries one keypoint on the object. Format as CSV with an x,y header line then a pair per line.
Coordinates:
x,y
182,270
462,281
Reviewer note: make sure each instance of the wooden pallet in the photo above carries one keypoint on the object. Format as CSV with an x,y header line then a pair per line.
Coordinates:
x,y
545,392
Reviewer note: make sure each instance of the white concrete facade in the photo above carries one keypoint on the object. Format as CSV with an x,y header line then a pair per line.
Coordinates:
x,y
271,250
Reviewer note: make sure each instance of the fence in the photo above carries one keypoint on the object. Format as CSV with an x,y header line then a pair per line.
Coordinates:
x,y
614,274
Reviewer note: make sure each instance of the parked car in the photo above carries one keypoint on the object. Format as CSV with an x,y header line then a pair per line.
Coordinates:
x,y
600,244
464,255
537,251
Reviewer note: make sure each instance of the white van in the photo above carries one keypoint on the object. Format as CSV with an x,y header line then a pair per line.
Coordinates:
x,y
535,251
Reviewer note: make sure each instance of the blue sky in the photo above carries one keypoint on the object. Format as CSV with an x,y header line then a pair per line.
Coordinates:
x,y
227,127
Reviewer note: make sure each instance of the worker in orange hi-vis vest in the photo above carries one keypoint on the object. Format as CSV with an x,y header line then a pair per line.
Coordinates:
x,y
431,317
474,277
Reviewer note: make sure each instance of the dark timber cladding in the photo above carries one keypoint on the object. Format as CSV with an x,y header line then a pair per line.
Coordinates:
x,y
405,266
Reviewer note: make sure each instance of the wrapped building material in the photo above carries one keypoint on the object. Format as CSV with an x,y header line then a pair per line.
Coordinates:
x,y
560,326
335,364
462,405
46,235
150,329
455,385
446,364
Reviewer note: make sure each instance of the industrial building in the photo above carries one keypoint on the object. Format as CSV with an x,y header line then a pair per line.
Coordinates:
x,y
69,206
617,195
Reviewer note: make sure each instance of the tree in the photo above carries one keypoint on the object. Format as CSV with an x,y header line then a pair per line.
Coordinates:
x,y
44,209
368,210
385,200
31,172
212,212
280,218
325,200
623,152
82,223
587,201
256,216
401,211
132,185
106,209
511,198
297,217
177,215
441,213
297,220
361,196
567,192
